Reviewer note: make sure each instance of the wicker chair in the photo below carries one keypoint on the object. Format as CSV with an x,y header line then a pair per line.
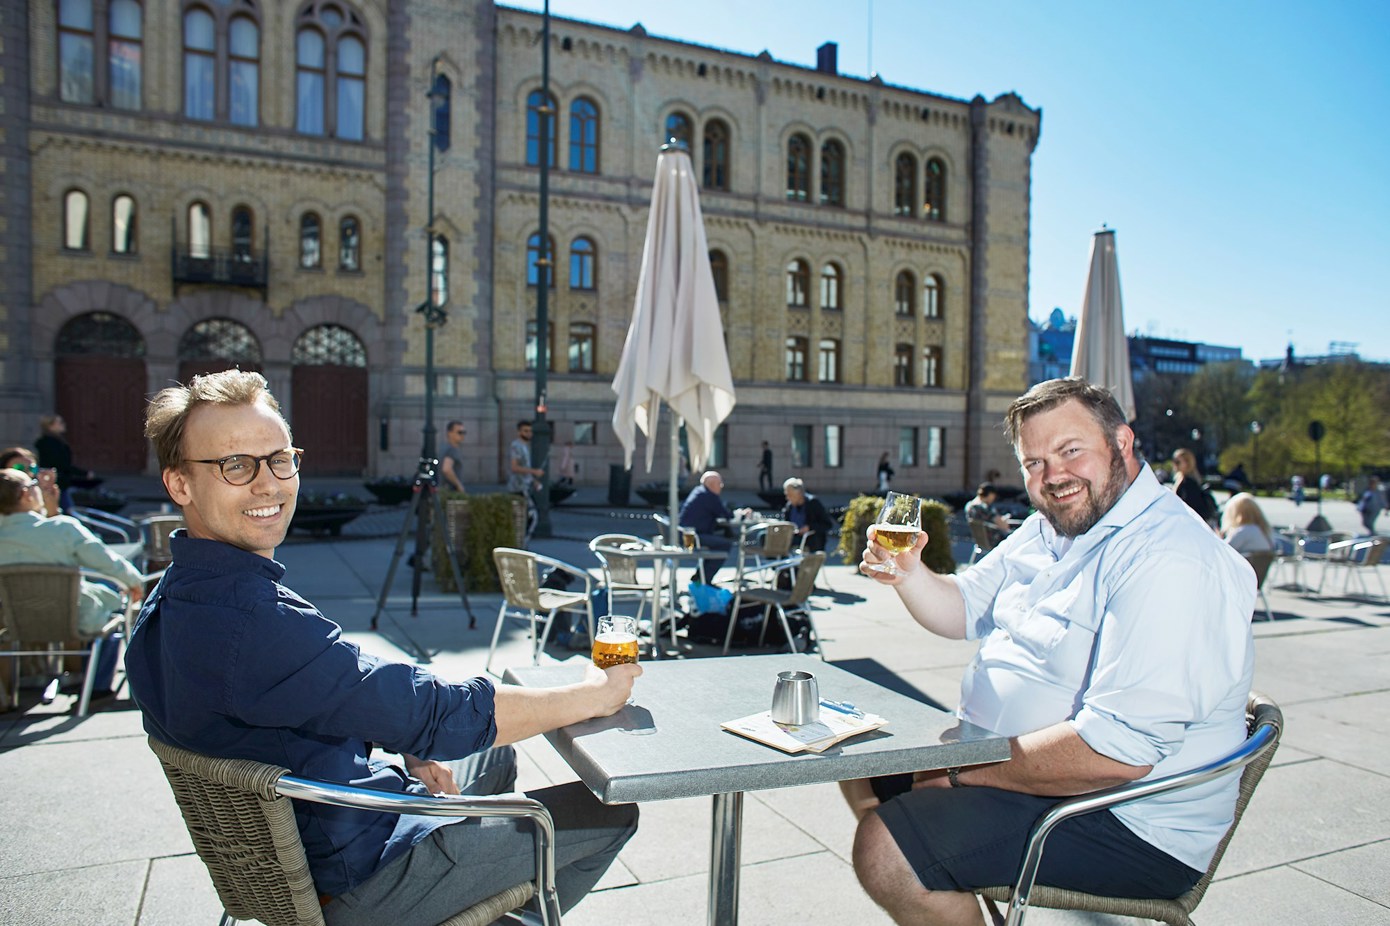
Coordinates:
x,y
157,529
241,820
522,595
1265,723
38,613
785,602
1260,561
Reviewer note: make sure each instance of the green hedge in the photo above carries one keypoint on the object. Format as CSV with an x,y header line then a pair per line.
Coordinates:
x,y
863,510
480,523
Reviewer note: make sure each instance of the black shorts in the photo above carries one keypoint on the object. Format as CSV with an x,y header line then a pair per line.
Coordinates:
x,y
959,839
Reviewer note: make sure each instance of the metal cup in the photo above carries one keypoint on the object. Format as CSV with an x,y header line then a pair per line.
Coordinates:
x,y
795,698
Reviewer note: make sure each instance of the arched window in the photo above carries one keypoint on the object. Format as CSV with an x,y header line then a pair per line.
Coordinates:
x,y
905,294
124,49
582,336
583,255
352,88
328,345
678,127
584,136
221,339
532,345
442,99
349,244
931,297
330,72
902,365
716,155
244,69
310,241
123,225
904,185
831,280
76,52
796,359
221,62
535,102
199,231
934,195
798,284
931,367
242,235
199,64
533,261
799,168
829,361
439,270
832,174
99,333
310,65
719,267
77,221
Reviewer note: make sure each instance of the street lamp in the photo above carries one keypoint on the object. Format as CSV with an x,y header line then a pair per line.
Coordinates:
x,y
1255,429
540,438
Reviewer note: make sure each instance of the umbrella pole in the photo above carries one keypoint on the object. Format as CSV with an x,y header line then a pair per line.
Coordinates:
x,y
673,497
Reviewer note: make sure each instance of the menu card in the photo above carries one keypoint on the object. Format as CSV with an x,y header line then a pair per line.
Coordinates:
x,y
832,726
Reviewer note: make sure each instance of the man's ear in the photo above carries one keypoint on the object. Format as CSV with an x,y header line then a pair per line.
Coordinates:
x,y
1124,439
176,484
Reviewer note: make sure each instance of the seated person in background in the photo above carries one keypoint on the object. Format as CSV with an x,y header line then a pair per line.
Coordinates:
x,y
1244,525
807,513
702,511
228,662
23,459
27,537
981,508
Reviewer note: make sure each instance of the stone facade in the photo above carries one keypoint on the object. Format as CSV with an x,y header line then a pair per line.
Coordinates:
x,y
485,201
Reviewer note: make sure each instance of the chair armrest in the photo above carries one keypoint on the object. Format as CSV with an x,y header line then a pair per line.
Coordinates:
x,y
567,568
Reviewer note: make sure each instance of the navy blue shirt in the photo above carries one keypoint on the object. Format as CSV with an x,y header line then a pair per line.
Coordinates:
x,y
702,509
226,661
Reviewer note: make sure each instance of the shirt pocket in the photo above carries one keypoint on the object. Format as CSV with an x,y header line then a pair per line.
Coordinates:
x,y
1042,626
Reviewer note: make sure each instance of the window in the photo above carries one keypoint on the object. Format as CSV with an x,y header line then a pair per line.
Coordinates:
x,y
907,446
799,168
832,174
582,339
830,285
678,127
582,258
931,366
352,88
531,346
798,284
535,260
796,359
241,235
76,51
439,270
538,106
199,64
905,294
904,185
199,231
349,243
719,449
936,446
442,99
719,267
584,136
931,297
934,195
310,254
828,370
76,221
834,446
123,53
586,433
123,225
715,160
244,69
801,446
310,64
329,345
902,365
330,72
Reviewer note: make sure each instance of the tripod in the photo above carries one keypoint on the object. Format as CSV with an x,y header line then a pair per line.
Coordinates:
x,y
419,515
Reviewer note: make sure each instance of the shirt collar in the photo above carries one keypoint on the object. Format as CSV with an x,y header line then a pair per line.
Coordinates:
x,y
1142,492
216,556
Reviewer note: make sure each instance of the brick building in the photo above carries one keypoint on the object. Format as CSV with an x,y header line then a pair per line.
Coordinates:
x,y
192,185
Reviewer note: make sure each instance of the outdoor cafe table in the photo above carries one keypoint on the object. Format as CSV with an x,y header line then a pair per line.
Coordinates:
x,y
670,745
662,557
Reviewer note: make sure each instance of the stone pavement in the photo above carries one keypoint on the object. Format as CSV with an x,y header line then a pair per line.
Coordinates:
x,y
92,835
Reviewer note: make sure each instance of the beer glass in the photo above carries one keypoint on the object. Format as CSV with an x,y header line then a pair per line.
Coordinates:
x,y
899,522
616,642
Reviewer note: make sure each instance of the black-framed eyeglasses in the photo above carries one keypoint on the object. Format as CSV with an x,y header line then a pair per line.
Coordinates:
x,y
241,469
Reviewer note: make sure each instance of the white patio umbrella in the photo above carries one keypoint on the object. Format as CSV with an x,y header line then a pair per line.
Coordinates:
x,y
674,351
1100,352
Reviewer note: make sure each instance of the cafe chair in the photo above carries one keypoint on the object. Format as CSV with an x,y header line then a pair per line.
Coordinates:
x,y
1264,723
520,572
984,538
1358,559
620,572
120,534
241,820
785,602
156,529
1260,561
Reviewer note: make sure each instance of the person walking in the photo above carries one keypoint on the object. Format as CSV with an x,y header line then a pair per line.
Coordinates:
x,y
55,453
765,469
885,473
1371,504
451,457
1190,488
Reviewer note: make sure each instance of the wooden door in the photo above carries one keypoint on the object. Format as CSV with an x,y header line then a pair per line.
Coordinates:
x,y
329,409
102,399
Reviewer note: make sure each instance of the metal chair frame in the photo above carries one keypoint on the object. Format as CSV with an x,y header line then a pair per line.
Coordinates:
x,y
523,596
785,602
1357,557
620,572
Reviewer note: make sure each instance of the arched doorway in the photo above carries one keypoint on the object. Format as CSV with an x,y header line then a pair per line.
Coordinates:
x,y
99,389
217,344
329,389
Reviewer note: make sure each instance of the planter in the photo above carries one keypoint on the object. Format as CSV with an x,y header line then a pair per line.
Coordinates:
x,y
559,493
324,519
390,493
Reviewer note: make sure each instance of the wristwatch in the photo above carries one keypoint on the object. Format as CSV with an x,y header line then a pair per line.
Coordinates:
x,y
953,776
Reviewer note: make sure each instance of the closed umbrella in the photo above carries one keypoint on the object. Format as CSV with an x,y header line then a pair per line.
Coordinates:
x,y
1100,353
674,352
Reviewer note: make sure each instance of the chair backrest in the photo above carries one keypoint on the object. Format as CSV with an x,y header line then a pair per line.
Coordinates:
x,y
806,572
516,570
245,834
1375,552
1260,561
39,602
777,539
157,531
618,568
984,538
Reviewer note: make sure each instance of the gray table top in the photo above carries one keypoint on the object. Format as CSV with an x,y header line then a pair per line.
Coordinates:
x,y
662,553
670,745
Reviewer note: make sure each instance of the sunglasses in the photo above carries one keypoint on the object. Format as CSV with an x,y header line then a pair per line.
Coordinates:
x,y
31,468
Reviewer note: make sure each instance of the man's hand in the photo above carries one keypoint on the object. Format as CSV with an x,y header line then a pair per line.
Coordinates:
x,y
907,563
613,686
524,712
434,775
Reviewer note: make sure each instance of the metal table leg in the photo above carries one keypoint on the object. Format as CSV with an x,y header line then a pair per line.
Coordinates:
x,y
725,836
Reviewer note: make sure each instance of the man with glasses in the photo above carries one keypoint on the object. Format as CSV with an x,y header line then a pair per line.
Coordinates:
x,y
451,456
227,661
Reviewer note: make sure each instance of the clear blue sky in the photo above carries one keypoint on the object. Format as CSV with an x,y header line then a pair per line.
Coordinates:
x,y
1240,149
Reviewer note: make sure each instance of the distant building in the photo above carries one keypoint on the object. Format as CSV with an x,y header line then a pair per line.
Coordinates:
x,y
1050,346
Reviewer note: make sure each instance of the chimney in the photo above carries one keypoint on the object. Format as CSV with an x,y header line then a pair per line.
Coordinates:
x,y
825,58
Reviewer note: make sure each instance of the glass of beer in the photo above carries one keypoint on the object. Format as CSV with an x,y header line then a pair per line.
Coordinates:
x,y
899,522
689,539
616,642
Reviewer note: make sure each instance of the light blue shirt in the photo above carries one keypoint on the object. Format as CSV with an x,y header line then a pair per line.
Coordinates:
x,y
1138,633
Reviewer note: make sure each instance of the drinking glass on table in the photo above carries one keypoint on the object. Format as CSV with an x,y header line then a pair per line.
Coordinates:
x,y
615,644
896,529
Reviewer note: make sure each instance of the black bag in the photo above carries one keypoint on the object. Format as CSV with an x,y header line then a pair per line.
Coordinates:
x,y
711,627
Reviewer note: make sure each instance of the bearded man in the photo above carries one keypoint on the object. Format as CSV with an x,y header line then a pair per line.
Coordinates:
x,y
1115,645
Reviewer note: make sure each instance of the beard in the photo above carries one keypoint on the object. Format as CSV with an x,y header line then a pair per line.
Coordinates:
x,y
1073,522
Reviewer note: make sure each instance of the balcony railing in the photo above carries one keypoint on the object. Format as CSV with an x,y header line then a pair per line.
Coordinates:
x,y
221,267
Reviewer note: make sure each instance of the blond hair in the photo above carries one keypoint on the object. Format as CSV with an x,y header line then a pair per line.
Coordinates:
x,y
167,414
1242,509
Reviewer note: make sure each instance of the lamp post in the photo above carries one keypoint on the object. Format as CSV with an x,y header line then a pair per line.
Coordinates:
x,y
1255,429
433,308
544,274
